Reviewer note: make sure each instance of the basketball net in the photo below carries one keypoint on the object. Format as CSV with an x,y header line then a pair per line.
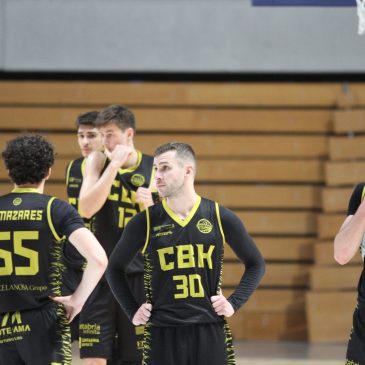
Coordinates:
x,y
361,15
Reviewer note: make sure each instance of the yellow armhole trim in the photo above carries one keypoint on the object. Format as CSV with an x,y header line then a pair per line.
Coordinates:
x,y
220,222
49,219
363,193
152,178
83,164
68,171
148,230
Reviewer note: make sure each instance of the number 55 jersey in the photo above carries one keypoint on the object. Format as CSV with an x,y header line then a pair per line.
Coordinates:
x,y
33,227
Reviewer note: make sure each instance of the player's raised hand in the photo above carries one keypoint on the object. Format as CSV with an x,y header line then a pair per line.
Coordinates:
x,y
119,155
142,315
144,196
221,305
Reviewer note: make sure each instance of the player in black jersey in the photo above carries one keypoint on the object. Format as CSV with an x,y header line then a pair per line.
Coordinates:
x,y
89,140
182,240
115,187
34,316
348,241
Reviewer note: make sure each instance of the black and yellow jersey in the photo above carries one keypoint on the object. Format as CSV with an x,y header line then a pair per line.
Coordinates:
x,y
357,197
183,260
121,204
74,178
32,230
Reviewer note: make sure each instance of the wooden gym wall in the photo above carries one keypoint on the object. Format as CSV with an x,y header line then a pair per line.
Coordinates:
x,y
269,151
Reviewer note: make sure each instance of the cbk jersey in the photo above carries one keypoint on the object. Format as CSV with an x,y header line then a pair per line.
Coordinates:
x,y
32,226
121,204
183,263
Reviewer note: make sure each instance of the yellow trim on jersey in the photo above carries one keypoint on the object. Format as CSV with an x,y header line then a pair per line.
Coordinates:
x,y
219,221
148,230
363,193
132,168
25,190
83,164
176,218
49,219
68,171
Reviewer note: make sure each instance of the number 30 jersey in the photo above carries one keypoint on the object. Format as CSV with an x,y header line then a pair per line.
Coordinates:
x,y
183,263
32,230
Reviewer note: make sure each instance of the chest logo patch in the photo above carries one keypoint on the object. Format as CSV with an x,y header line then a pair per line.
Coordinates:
x,y
137,180
17,201
204,226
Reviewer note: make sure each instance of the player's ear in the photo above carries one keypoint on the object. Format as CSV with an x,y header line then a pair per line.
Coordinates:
x,y
130,133
189,171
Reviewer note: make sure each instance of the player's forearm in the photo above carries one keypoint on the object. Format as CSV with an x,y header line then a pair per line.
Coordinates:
x,y
94,270
348,239
117,281
250,280
94,194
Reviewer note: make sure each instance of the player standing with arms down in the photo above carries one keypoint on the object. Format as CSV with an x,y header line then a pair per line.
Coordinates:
x,y
33,315
182,240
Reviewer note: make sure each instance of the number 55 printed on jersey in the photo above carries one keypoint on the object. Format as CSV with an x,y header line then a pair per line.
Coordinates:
x,y
20,250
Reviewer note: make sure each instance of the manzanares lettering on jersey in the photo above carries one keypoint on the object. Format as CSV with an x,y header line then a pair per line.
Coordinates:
x,y
121,204
31,236
184,258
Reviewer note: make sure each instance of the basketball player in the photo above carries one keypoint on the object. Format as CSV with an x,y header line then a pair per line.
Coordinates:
x,y
182,241
116,186
348,241
34,317
89,140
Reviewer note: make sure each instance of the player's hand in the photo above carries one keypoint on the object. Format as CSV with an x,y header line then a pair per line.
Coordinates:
x,y
142,315
144,196
119,155
72,308
221,305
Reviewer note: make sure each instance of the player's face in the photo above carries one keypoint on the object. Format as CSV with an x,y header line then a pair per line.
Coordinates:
x,y
112,135
169,175
89,139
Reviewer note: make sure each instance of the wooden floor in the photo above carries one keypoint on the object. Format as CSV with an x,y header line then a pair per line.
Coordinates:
x,y
280,353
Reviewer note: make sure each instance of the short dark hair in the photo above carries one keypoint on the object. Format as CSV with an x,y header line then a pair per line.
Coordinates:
x,y
117,114
28,158
183,151
88,118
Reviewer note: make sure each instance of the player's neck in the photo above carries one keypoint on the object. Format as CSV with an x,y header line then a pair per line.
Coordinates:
x,y
39,187
183,204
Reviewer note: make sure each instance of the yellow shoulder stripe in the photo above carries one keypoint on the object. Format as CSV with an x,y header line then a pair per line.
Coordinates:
x,y
219,221
148,230
49,219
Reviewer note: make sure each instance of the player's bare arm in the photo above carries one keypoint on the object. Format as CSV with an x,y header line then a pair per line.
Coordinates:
x,y
348,239
88,246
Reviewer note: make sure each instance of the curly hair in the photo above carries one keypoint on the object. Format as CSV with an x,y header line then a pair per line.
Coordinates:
x,y
28,159
117,114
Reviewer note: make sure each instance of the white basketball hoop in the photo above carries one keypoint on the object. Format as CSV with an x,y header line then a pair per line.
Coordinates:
x,y
361,15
